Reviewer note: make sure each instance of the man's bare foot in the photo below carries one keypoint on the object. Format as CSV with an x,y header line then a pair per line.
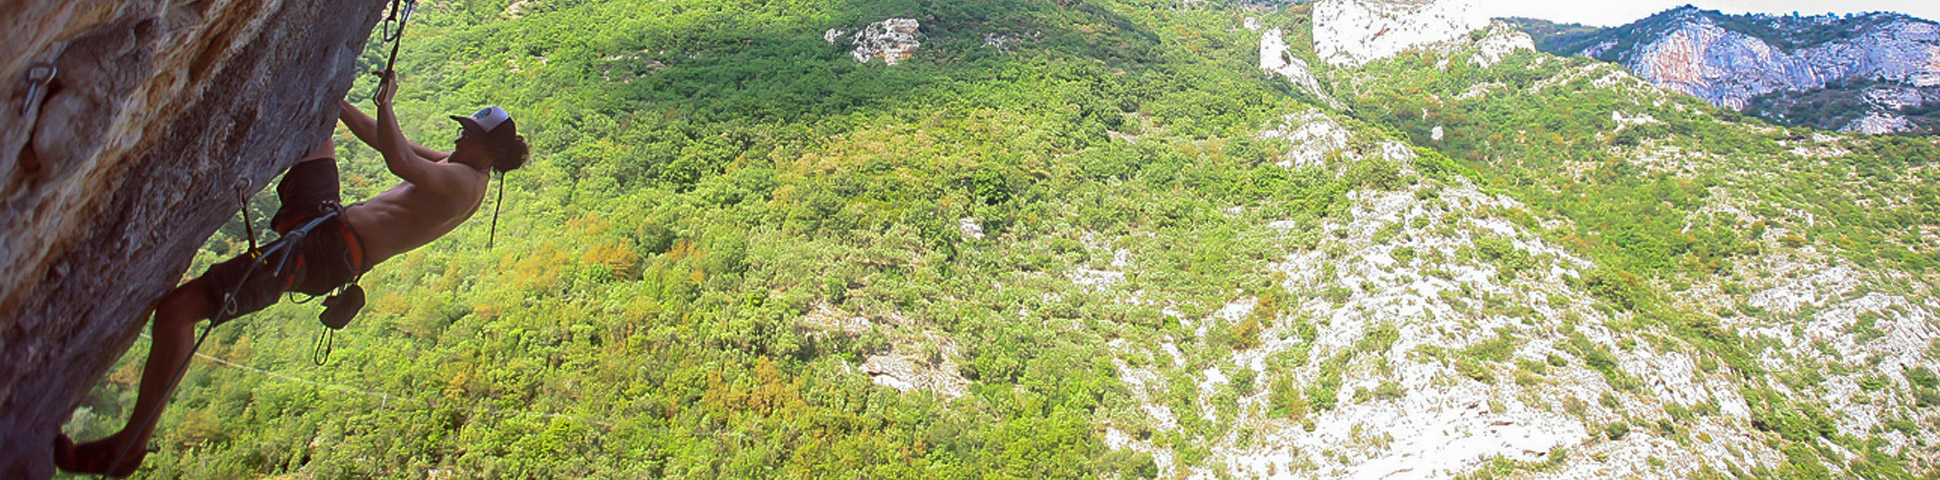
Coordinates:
x,y
95,457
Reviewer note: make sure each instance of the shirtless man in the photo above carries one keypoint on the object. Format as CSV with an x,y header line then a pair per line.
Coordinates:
x,y
440,191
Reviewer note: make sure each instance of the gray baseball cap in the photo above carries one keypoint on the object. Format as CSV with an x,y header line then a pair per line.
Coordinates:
x,y
492,121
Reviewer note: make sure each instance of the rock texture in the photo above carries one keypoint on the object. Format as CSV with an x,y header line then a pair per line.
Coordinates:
x,y
919,358
893,40
1732,60
160,113
1356,32
1500,41
1277,58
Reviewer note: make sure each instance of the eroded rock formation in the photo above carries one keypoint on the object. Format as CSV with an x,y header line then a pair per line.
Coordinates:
x,y
127,158
1734,60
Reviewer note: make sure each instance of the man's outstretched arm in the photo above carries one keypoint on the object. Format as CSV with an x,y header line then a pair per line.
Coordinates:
x,y
365,128
399,156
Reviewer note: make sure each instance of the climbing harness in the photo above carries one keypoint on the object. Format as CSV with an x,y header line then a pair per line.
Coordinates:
x,y
337,313
401,11
38,77
338,308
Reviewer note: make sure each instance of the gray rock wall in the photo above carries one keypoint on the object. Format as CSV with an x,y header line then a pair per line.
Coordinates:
x,y
113,178
1694,52
1728,68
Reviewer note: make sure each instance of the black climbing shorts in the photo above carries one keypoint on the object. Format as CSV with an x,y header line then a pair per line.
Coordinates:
x,y
330,256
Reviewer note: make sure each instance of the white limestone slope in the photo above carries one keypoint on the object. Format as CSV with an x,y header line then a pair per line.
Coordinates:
x,y
1352,33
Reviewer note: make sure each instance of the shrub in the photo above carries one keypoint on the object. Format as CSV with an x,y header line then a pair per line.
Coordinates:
x,y
1616,431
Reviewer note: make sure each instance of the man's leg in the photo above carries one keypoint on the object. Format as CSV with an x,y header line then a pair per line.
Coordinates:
x,y
173,339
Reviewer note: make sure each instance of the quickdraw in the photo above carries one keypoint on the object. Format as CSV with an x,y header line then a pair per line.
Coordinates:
x,y
401,11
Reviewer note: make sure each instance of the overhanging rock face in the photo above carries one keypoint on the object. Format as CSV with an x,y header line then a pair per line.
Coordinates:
x,y
113,171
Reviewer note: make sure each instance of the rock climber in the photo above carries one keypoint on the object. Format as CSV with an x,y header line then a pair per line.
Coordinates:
x,y
439,191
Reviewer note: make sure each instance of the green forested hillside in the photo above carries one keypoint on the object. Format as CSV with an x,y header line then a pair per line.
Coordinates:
x,y
639,314
1054,237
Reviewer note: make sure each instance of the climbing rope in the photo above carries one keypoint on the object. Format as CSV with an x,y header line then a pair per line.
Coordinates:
x,y
225,312
495,207
393,33
387,398
172,381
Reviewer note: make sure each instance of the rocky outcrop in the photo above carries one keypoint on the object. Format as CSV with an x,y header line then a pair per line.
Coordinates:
x,y
118,167
1355,32
1007,41
893,40
1277,58
909,373
920,357
1311,138
1878,123
1732,60
1500,41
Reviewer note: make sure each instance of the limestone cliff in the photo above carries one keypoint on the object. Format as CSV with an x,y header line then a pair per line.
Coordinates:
x,y
122,162
1766,64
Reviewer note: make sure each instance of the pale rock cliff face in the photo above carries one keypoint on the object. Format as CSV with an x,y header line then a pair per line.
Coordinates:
x,y
1355,32
893,40
1278,59
1695,52
132,153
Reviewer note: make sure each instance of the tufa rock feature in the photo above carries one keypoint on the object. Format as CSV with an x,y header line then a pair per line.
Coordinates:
x,y
161,111
894,40
1353,33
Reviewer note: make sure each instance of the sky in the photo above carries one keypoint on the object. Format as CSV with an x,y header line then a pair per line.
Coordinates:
x,y
1618,12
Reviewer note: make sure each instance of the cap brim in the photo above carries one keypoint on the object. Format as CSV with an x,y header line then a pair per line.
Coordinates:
x,y
470,125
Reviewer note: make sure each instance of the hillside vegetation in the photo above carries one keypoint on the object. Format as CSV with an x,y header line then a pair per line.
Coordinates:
x,y
1111,246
